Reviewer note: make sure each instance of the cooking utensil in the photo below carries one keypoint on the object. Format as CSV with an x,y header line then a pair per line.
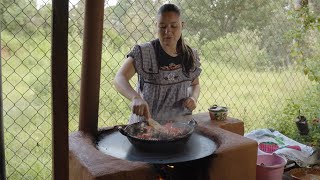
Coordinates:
x,y
158,145
113,143
305,173
155,124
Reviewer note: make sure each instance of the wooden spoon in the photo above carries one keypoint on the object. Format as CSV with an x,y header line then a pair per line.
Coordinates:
x,y
158,127
154,124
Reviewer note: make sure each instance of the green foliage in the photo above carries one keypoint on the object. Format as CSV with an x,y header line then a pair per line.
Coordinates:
x,y
305,50
215,19
76,22
114,39
274,39
134,20
307,103
43,19
17,15
306,35
27,106
237,50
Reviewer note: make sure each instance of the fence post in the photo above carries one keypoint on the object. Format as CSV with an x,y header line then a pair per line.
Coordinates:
x,y
59,77
91,66
2,153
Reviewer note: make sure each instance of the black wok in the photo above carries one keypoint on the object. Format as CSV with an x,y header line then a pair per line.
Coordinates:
x,y
172,144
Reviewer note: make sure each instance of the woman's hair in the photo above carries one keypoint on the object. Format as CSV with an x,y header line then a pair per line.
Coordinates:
x,y
188,58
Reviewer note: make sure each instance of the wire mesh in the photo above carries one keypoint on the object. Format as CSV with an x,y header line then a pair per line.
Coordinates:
x,y
243,46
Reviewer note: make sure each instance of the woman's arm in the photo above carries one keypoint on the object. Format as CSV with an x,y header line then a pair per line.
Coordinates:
x,y
121,82
193,91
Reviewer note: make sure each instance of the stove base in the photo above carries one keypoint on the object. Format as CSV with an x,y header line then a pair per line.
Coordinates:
x,y
235,159
114,144
195,170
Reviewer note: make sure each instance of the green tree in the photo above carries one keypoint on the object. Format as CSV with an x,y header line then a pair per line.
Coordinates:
x,y
306,37
76,15
134,20
212,19
43,19
275,40
18,14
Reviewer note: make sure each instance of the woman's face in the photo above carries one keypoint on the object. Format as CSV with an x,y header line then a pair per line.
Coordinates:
x,y
169,28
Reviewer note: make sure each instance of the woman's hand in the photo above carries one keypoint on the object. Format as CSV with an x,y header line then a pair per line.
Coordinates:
x,y
190,103
140,107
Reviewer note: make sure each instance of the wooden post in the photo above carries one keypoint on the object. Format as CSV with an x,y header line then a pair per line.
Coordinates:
x,y
91,66
59,76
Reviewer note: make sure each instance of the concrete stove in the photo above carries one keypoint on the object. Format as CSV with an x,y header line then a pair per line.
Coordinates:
x,y
235,157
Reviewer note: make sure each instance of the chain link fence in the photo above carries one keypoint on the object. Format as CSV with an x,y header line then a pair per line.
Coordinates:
x,y
244,49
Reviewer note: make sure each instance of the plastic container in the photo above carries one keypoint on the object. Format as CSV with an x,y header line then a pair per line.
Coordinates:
x,y
270,167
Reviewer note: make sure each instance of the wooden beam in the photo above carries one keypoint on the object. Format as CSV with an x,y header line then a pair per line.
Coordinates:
x,y
59,77
91,66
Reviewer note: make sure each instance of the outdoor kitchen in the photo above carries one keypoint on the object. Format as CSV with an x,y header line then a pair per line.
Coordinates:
x,y
160,90
206,145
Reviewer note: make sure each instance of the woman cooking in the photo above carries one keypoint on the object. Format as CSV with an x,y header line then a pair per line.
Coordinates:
x,y
168,72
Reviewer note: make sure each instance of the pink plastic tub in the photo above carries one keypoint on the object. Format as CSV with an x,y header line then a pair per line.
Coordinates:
x,y
270,167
